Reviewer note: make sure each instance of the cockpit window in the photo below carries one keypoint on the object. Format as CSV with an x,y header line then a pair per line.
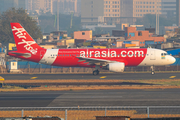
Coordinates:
x,y
163,54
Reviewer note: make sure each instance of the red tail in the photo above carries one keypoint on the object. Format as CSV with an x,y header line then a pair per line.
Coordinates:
x,y
23,40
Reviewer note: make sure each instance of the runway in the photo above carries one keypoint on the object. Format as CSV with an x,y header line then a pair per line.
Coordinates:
x,y
113,76
158,97
151,97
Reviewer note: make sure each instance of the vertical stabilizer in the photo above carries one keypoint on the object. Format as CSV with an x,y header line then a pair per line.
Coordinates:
x,y
23,40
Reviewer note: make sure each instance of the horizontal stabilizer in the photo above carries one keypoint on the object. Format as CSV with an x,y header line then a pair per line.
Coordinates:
x,y
26,55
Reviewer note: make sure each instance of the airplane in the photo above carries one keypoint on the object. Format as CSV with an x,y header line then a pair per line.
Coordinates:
x,y
112,59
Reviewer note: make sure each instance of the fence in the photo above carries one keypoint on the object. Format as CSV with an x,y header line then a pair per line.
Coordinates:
x,y
52,69
40,70
31,67
89,113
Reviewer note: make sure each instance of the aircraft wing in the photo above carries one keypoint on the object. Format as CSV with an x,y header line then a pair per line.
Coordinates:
x,y
95,61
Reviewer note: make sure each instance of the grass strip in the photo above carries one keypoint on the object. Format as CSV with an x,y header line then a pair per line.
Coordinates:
x,y
156,84
95,87
82,114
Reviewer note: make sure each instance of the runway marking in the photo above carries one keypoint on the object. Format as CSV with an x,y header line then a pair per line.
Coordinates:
x,y
172,77
103,77
1,78
33,77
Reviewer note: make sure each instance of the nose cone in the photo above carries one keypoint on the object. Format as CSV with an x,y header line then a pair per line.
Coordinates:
x,y
172,60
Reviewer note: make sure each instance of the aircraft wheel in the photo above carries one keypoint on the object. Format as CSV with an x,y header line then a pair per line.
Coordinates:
x,y
96,72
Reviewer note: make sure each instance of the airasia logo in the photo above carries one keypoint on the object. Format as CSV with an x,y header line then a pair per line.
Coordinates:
x,y
22,36
108,53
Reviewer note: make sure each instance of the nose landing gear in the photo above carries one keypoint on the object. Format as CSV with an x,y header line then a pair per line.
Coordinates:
x,y
152,70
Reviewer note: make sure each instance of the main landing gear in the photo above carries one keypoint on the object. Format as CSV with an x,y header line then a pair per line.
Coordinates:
x,y
152,70
96,72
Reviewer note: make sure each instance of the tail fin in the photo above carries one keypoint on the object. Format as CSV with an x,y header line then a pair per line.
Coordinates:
x,y
23,40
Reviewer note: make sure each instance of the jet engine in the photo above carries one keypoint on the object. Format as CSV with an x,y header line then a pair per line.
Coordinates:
x,y
115,67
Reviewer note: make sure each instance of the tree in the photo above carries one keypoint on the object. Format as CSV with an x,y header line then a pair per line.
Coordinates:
x,y
20,16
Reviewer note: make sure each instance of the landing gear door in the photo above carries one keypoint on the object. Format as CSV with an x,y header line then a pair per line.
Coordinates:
x,y
153,55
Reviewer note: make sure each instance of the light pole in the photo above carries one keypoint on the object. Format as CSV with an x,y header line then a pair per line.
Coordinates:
x,y
57,15
157,23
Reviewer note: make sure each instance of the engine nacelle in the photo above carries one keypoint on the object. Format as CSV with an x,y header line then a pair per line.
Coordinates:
x,y
115,67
